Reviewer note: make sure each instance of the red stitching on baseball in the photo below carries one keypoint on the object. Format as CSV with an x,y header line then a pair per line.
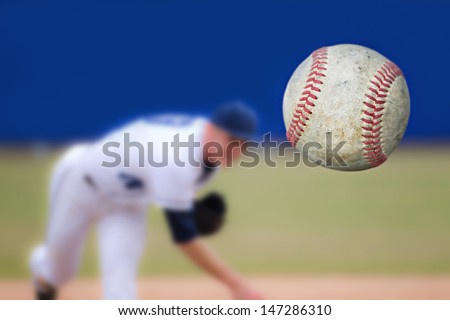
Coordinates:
x,y
306,101
373,122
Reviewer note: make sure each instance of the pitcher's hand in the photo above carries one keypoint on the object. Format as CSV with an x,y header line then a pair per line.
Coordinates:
x,y
244,291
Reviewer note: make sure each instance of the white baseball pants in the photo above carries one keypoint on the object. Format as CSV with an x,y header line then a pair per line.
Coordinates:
x,y
74,207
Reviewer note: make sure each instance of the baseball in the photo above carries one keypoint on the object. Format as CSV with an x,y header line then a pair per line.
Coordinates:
x,y
349,96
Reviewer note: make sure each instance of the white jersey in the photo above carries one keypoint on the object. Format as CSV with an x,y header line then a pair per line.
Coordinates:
x,y
139,162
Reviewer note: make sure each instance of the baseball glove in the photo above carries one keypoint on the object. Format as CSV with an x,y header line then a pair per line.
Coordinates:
x,y
210,214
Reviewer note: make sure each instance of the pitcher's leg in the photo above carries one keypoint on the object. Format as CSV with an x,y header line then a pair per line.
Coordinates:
x,y
57,259
121,235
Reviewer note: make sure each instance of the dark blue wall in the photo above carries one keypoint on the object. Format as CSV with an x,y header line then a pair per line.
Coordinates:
x,y
71,70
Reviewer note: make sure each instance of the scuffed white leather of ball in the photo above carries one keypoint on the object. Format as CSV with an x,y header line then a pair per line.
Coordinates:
x,y
345,75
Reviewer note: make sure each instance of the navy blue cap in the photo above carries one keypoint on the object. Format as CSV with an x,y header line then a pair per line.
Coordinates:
x,y
237,119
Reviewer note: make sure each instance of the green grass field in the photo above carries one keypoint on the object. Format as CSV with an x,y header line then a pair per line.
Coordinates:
x,y
391,220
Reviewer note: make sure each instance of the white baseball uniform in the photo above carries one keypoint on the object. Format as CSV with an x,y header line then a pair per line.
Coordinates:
x,y
86,189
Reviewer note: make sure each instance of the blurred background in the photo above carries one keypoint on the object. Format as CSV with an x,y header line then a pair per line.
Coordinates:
x,y
71,71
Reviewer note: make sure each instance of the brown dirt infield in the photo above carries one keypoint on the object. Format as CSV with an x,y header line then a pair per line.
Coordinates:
x,y
276,287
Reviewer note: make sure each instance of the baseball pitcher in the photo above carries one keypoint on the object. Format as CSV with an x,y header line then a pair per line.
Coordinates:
x,y
110,184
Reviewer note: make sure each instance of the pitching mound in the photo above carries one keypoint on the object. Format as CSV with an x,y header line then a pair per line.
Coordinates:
x,y
276,287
